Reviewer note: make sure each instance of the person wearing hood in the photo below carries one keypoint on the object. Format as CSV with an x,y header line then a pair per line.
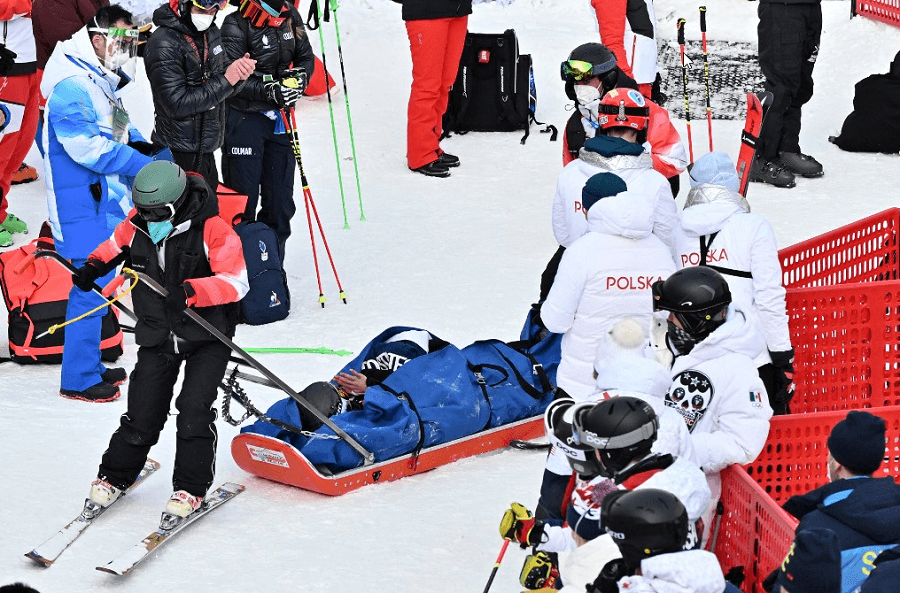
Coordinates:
x,y
186,65
863,511
603,275
874,123
589,73
175,237
718,230
91,154
715,385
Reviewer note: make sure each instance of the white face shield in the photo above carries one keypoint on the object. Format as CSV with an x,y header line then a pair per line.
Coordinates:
x,y
119,50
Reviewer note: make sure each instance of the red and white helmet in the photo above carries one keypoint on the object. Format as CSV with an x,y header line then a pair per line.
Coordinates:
x,y
623,108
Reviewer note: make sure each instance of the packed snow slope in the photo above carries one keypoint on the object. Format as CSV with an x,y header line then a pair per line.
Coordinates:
x,y
460,257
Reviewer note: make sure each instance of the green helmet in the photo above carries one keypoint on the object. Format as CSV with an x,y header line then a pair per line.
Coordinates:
x,y
157,184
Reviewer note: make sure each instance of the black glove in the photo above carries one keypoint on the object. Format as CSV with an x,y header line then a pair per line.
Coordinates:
x,y
143,38
85,276
176,300
607,580
7,59
784,367
145,148
281,95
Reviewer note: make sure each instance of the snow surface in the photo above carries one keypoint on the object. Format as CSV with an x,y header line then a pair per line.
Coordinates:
x,y
461,257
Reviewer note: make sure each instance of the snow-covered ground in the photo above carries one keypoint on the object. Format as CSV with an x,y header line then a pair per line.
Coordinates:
x,y
460,256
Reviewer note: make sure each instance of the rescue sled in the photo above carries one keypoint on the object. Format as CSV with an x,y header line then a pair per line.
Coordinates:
x,y
277,460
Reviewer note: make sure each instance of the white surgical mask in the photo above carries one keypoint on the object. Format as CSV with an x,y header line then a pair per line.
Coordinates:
x,y
202,21
586,94
118,60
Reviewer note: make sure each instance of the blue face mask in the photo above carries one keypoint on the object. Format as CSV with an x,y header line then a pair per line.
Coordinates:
x,y
159,230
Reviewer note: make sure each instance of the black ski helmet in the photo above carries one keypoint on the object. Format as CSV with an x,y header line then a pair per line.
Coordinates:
x,y
603,61
622,430
698,296
560,433
644,522
323,396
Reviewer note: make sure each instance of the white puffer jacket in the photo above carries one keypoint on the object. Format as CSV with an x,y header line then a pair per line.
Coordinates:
x,y
691,571
745,243
718,392
604,275
638,174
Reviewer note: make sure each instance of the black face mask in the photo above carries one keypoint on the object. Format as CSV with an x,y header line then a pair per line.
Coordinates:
x,y
680,339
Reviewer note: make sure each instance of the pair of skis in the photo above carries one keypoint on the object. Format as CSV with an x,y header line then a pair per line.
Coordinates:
x,y
48,552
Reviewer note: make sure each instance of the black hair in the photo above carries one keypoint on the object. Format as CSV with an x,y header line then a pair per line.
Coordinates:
x,y
108,16
17,588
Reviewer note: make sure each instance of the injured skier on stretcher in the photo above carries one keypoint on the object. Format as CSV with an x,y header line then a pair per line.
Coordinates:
x,y
418,391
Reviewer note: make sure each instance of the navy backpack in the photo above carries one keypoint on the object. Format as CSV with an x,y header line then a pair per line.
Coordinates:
x,y
268,300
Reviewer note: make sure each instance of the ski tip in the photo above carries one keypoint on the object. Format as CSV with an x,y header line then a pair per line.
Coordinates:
x,y
106,569
528,445
151,463
233,487
38,559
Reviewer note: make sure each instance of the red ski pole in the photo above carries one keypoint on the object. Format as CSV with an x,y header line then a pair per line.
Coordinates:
x,y
684,78
496,565
706,75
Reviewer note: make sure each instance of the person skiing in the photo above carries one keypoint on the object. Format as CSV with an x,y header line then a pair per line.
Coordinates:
x,y
176,238
718,230
590,72
186,65
589,292
90,159
257,158
715,384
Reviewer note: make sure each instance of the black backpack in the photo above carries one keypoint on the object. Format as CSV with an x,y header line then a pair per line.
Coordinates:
x,y
268,300
494,89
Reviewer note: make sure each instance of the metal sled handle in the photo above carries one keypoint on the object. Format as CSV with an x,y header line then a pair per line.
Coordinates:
x,y
368,458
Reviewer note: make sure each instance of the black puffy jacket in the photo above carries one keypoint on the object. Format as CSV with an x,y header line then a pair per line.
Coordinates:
x,y
188,91
415,10
273,48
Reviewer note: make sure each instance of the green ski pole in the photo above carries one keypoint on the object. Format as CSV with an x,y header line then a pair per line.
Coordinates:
x,y
337,34
337,157
277,350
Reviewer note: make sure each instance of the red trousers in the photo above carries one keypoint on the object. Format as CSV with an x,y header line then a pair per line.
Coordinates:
x,y
23,90
436,46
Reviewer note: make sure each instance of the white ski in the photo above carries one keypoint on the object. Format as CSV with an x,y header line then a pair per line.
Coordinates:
x,y
170,525
47,553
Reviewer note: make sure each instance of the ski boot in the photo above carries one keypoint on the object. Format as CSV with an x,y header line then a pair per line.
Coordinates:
x,y
801,164
103,493
180,505
772,172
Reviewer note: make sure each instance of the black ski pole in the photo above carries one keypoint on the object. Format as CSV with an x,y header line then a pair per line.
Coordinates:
x,y
684,78
706,75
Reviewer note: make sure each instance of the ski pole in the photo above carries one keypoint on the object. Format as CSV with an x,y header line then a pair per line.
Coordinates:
x,y
496,565
278,350
290,123
368,458
337,158
706,75
684,78
337,34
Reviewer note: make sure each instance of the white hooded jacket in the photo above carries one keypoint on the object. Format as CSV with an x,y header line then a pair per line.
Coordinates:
x,y
718,392
638,174
691,571
745,243
602,276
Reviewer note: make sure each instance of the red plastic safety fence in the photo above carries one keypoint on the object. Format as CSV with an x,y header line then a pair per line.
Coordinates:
x,y
793,460
755,532
863,251
886,11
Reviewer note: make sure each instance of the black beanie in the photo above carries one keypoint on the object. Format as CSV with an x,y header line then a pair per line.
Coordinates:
x,y
601,185
857,442
813,564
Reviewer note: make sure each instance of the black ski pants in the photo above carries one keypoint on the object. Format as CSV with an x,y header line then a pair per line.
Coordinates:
x,y
789,37
203,164
150,391
260,163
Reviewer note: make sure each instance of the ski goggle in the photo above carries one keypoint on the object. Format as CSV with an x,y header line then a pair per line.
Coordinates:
x,y
260,14
207,4
581,70
159,213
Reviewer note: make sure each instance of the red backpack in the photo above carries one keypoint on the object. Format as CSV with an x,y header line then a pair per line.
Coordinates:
x,y
36,299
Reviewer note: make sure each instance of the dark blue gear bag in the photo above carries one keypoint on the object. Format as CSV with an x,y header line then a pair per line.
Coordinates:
x,y
269,299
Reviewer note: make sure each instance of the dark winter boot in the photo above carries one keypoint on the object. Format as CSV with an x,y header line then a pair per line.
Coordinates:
x,y
801,164
448,160
433,169
772,172
114,376
99,393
